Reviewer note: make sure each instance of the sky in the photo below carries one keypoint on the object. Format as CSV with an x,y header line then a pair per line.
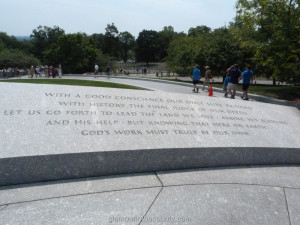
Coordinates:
x,y
20,17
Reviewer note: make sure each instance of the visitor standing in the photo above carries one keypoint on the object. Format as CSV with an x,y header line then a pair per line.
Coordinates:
x,y
96,70
235,75
31,72
53,72
208,76
196,78
247,76
46,71
225,84
49,71
107,70
18,73
59,71
4,74
37,71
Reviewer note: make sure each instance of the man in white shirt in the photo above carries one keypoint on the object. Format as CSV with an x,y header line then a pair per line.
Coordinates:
x,y
96,70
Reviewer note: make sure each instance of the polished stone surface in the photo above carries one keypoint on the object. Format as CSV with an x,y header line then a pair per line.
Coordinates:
x,y
47,190
220,205
88,119
267,176
63,132
104,208
293,201
253,195
103,200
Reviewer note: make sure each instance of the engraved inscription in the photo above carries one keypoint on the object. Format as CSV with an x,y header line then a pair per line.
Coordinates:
x,y
121,115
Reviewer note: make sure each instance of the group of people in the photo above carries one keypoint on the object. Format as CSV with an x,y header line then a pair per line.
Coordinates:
x,y
233,76
197,75
11,72
48,71
230,82
107,70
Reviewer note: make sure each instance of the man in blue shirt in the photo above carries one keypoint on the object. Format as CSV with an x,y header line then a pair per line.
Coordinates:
x,y
247,76
196,78
235,75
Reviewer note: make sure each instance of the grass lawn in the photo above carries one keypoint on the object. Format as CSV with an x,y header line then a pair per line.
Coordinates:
x,y
73,82
287,92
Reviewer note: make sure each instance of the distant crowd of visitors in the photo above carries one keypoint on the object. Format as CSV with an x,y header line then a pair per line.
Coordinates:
x,y
230,80
46,71
33,71
12,72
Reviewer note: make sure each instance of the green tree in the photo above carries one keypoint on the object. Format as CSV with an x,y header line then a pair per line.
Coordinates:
x,y
102,61
9,42
147,46
98,41
271,28
16,58
217,49
193,32
14,53
27,46
165,38
111,41
43,37
222,50
74,52
127,43
182,54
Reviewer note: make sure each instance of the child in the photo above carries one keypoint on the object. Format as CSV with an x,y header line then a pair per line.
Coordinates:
x,y
225,84
208,77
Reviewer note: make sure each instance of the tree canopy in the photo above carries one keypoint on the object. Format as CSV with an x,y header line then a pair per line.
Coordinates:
x,y
264,33
14,53
73,51
271,28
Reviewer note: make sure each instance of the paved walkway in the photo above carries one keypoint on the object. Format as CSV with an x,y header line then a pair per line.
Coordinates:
x,y
225,196
220,196
156,84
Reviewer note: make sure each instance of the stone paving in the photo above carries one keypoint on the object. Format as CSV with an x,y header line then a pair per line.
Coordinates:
x,y
255,195
153,83
225,196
